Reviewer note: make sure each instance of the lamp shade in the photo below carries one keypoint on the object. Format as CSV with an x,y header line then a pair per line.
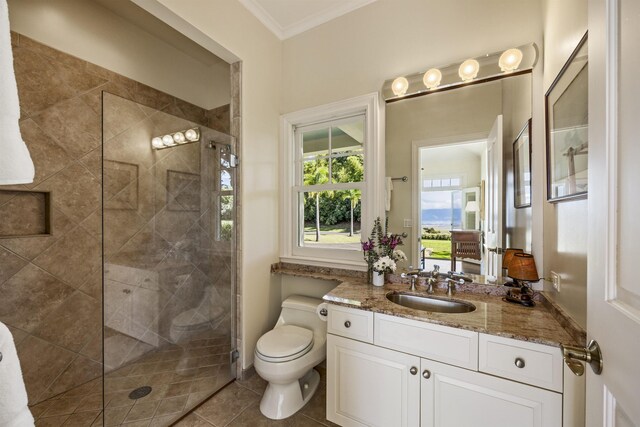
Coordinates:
x,y
472,206
523,267
16,166
508,256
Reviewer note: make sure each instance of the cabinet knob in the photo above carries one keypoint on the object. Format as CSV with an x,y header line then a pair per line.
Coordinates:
x,y
426,374
520,362
413,370
347,324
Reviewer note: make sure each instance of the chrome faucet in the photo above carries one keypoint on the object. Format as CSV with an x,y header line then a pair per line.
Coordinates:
x,y
413,277
451,286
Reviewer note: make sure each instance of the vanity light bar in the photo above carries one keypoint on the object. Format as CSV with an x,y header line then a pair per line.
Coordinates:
x,y
492,66
182,137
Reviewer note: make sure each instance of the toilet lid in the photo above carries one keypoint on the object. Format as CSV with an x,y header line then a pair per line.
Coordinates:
x,y
284,343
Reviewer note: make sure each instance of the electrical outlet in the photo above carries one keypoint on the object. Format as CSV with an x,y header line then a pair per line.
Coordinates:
x,y
555,279
407,223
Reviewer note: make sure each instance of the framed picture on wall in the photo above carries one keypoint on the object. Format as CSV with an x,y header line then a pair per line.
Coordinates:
x,y
522,167
567,125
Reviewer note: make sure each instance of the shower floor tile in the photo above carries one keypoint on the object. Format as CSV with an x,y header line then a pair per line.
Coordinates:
x,y
180,378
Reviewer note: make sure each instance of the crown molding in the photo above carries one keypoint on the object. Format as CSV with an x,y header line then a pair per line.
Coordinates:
x,y
303,25
263,16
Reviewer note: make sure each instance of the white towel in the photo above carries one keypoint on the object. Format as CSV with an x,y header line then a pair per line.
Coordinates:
x,y
388,186
16,166
14,411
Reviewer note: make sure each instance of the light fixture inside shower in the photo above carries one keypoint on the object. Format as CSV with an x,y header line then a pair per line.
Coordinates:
x,y
177,138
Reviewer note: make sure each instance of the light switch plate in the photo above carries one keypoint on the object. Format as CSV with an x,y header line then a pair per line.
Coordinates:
x,y
407,223
555,279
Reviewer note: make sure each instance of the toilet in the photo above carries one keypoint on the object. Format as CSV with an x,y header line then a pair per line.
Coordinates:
x,y
286,355
192,322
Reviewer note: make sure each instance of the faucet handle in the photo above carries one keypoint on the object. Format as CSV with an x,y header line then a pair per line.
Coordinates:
x,y
430,282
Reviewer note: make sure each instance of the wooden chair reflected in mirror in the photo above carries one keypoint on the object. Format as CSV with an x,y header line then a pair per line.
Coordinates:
x,y
465,244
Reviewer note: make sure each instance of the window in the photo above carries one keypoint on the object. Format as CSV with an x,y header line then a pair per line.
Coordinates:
x,y
330,183
443,183
330,180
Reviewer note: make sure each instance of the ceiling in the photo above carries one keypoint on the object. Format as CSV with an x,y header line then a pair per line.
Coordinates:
x,y
286,18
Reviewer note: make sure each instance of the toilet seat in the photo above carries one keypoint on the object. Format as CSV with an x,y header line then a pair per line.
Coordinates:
x,y
284,343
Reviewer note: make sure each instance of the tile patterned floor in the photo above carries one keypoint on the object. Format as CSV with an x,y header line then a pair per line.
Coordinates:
x,y
180,376
238,405
176,391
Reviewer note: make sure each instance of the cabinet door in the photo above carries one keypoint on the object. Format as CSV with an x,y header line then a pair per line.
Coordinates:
x,y
371,386
455,397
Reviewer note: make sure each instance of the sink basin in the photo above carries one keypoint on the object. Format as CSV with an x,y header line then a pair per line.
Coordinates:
x,y
433,304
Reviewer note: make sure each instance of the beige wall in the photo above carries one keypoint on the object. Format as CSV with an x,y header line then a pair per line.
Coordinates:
x,y
565,223
430,120
89,31
233,27
356,53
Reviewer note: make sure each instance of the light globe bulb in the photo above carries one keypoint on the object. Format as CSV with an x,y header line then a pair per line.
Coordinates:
x,y
178,137
469,70
191,135
400,86
432,78
157,142
510,60
167,140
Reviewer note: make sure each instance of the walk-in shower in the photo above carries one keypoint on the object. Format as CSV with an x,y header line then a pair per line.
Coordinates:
x,y
169,257
118,264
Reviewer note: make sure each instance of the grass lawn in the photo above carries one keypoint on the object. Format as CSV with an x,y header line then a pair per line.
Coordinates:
x,y
337,233
441,248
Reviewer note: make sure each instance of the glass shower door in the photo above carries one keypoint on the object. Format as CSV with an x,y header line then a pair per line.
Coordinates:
x,y
169,263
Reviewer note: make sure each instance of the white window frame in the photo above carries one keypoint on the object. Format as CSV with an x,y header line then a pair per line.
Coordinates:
x,y
372,106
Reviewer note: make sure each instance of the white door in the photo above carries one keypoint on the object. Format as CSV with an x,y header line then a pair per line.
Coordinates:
x,y
456,397
371,386
613,300
493,189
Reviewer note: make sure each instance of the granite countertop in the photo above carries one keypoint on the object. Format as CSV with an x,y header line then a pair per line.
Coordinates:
x,y
539,324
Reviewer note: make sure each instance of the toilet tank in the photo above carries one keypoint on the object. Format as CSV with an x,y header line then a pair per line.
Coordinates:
x,y
301,311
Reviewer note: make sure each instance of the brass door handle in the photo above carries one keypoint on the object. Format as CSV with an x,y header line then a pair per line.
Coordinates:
x,y
573,356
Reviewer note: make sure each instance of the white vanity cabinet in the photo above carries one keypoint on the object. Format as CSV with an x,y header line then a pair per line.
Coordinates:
x,y
371,386
455,397
415,373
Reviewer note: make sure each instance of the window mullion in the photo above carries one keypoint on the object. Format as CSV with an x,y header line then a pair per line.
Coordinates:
x,y
330,155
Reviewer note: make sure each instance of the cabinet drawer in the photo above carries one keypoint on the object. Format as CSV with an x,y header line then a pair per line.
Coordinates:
x,y
350,323
441,343
530,363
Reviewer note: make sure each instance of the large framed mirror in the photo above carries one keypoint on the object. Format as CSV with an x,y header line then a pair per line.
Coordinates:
x,y
456,148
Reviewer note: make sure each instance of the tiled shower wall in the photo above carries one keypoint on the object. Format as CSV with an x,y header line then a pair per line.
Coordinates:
x,y
51,286
164,260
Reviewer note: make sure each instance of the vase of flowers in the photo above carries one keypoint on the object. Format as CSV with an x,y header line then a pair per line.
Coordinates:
x,y
381,253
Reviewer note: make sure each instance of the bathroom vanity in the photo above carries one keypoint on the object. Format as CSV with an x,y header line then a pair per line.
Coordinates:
x,y
500,365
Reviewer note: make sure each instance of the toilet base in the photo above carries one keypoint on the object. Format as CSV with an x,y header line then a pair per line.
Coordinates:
x,y
283,400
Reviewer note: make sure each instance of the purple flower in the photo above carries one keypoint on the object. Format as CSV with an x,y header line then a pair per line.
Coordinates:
x,y
368,245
